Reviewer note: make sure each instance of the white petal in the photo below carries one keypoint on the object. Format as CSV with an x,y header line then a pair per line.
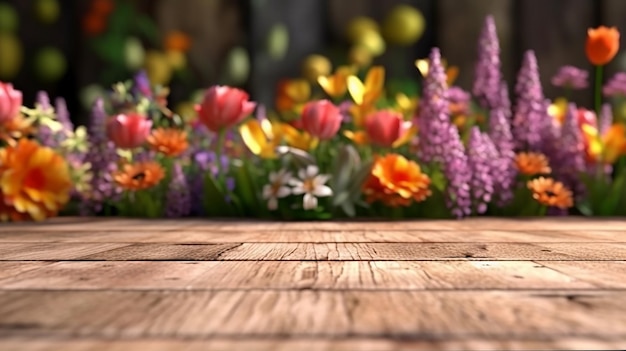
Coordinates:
x,y
297,190
322,191
267,192
296,182
283,191
310,202
302,173
272,204
321,179
312,171
273,177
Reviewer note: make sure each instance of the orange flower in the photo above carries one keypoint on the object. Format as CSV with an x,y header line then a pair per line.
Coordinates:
x,y
532,163
177,41
550,193
139,176
396,181
168,141
602,45
19,127
34,182
291,94
614,143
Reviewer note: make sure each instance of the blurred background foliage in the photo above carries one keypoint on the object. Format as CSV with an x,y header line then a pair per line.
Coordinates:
x,y
79,48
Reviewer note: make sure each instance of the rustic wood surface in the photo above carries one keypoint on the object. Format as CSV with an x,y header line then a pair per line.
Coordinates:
x,y
478,284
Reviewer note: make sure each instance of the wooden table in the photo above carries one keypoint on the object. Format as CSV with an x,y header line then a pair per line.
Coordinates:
x,y
118,284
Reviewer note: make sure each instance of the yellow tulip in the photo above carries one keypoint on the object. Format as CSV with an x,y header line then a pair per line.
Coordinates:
x,y
337,84
291,93
614,143
358,137
299,139
558,109
359,112
261,138
405,104
366,93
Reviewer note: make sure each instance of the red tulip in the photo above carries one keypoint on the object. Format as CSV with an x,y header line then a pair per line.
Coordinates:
x,y
383,128
10,102
321,119
129,131
224,107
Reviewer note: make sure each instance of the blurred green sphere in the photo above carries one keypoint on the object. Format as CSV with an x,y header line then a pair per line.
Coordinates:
x,y
404,25
278,41
238,66
9,20
134,53
47,11
50,64
11,56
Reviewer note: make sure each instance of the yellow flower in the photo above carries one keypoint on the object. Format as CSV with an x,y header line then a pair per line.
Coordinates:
x,y
292,94
608,147
558,109
366,93
406,105
358,137
34,182
299,139
262,137
337,84
452,72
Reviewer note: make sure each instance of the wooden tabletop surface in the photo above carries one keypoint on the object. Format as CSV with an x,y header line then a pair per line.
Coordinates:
x,y
122,284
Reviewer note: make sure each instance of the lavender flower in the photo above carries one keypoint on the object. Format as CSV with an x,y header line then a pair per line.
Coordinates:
x,y
606,118
487,74
571,77
43,100
460,99
63,115
141,86
103,158
505,172
178,197
616,86
533,128
439,140
481,156
572,153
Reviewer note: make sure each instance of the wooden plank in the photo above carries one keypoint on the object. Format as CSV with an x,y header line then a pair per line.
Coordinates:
x,y
282,344
52,251
460,25
418,315
78,224
347,252
10,269
187,236
556,30
280,275
602,274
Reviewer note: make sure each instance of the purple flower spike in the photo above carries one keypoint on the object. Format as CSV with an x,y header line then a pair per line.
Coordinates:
x,y
482,157
63,115
571,77
606,118
439,140
572,151
178,194
616,86
505,173
487,74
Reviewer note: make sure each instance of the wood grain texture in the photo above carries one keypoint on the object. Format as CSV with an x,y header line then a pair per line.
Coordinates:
x,y
333,275
297,344
481,284
414,314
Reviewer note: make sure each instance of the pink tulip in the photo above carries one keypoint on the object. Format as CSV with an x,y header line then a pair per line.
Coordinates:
x,y
10,102
383,128
321,119
224,107
129,131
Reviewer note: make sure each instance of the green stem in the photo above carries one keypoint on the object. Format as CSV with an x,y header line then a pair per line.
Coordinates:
x,y
542,211
221,137
598,89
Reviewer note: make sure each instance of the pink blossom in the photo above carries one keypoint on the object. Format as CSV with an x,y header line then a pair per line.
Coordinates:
x,y
129,131
10,102
383,128
224,107
321,119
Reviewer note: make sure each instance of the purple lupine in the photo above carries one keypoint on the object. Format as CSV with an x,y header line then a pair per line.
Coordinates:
x,y
439,140
606,118
63,114
616,86
178,197
487,73
481,156
103,157
141,85
571,77
459,98
504,103
533,127
572,153
43,100
506,172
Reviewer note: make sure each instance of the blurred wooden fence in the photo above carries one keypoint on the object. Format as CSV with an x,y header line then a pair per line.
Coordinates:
x,y
555,29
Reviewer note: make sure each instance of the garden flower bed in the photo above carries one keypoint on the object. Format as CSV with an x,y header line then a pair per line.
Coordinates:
x,y
346,145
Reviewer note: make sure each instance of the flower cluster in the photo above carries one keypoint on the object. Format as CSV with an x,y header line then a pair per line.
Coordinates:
x,y
340,143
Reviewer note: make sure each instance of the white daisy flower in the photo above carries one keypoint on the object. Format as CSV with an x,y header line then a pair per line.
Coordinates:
x,y
276,188
311,184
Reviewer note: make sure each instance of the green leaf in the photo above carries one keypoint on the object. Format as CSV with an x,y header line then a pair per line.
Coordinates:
x,y
341,198
122,18
608,207
585,208
359,178
348,208
244,186
438,179
110,48
149,29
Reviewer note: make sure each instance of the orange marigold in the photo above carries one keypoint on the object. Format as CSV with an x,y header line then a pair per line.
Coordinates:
x,y
551,193
396,181
168,141
35,182
532,163
139,176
